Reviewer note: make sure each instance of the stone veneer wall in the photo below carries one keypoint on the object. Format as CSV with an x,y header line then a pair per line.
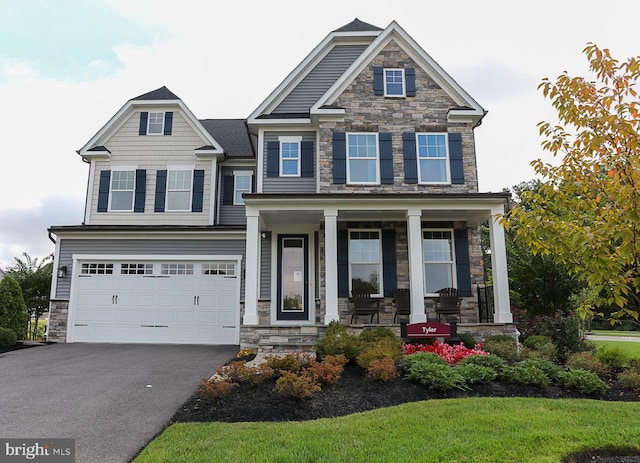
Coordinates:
x,y
57,328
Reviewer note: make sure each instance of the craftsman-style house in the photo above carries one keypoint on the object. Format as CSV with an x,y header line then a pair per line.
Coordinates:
x,y
358,172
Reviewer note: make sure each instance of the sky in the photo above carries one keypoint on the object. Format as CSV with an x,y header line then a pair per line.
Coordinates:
x,y
67,66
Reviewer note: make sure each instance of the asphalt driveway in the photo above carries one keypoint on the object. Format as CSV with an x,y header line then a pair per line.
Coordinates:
x,y
111,398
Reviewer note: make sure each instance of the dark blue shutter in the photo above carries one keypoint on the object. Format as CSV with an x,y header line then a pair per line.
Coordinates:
x,y
343,263
386,158
273,159
463,266
306,167
168,122
410,163
141,190
103,192
143,123
410,78
227,190
455,158
339,157
389,274
198,191
378,81
161,191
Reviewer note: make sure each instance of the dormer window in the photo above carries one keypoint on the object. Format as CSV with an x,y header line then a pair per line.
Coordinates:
x,y
156,124
394,82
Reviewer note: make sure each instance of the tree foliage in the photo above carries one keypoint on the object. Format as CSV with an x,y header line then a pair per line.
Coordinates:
x,y
586,214
13,312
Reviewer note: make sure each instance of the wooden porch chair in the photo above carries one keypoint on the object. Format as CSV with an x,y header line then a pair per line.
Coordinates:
x,y
448,303
402,303
364,304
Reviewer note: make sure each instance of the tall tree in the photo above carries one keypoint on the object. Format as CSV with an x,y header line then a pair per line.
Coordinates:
x,y
586,214
34,278
13,312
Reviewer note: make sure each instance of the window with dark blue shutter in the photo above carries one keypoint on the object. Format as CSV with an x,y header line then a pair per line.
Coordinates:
x,y
409,152
198,191
386,158
227,190
273,159
141,190
307,159
161,191
339,158
144,116
103,192
378,81
410,78
343,263
463,265
168,122
389,273
455,158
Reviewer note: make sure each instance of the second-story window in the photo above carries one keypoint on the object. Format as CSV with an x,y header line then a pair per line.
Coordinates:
x,y
179,190
290,156
241,184
394,82
156,124
362,158
433,158
123,183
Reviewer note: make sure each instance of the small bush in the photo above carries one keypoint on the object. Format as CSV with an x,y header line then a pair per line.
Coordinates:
x,y
586,361
338,359
383,369
550,369
236,371
408,361
494,362
630,379
539,347
288,362
383,348
468,340
8,337
528,376
338,340
436,376
503,346
476,374
536,341
215,387
583,381
245,353
377,333
296,386
613,357
326,372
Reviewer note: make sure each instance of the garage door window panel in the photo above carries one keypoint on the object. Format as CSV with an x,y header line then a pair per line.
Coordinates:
x,y
96,269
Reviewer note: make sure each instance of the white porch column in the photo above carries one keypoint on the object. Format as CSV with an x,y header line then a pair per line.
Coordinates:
x,y
416,278
502,311
331,265
251,284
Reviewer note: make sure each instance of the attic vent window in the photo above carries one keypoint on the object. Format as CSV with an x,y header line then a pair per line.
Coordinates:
x,y
156,123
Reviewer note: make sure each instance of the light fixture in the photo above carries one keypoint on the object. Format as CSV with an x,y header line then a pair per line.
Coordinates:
x,y
62,271
263,235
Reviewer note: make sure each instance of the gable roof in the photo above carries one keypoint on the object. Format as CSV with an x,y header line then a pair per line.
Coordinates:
x,y
232,135
162,93
372,40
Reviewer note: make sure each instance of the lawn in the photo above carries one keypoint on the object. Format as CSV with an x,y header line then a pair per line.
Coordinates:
x,y
630,348
450,430
635,334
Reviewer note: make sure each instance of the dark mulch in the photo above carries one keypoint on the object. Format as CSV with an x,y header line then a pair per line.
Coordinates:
x,y
22,345
355,393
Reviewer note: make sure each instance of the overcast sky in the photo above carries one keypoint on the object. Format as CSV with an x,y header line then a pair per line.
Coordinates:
x,y
67,66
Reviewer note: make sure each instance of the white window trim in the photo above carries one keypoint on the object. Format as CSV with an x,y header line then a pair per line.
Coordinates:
x,y
377,159
454,276
380,264
236,174
297,140
404,83
133,198
166,201
149,123
445,159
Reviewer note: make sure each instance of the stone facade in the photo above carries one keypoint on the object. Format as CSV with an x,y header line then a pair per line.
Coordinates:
x,y
57,325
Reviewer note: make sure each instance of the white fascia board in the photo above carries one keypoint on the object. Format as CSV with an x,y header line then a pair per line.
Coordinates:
x,y
151,235
279,122
416,52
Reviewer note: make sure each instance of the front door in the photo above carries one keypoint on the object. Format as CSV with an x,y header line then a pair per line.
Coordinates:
x,y
293,277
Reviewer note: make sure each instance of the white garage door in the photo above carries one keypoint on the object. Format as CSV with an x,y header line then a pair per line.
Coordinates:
x,y
157,302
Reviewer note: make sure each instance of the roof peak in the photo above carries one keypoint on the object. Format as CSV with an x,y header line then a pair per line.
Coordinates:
x,y
162,93
358,26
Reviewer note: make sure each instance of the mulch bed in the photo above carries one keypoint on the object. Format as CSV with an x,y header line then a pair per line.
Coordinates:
x,y
22,345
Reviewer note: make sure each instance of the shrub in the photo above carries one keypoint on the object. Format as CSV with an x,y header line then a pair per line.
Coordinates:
x,y
246,353
583,381
476,374
297,386
238,371
527,375
383,369
338,340
503,346
280,363
8,337
494,362
215,387
435,376
468,340
408,361
326,372
539,347
13,311
383,348
550,369
337,359
376,333
613,357
630,379
452,354
586,361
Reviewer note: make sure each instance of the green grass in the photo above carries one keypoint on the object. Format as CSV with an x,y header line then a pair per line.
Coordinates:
x,y
631,348
474,430
615,333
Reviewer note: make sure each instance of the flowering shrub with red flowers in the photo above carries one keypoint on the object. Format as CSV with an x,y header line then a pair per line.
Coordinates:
x,y
452,354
